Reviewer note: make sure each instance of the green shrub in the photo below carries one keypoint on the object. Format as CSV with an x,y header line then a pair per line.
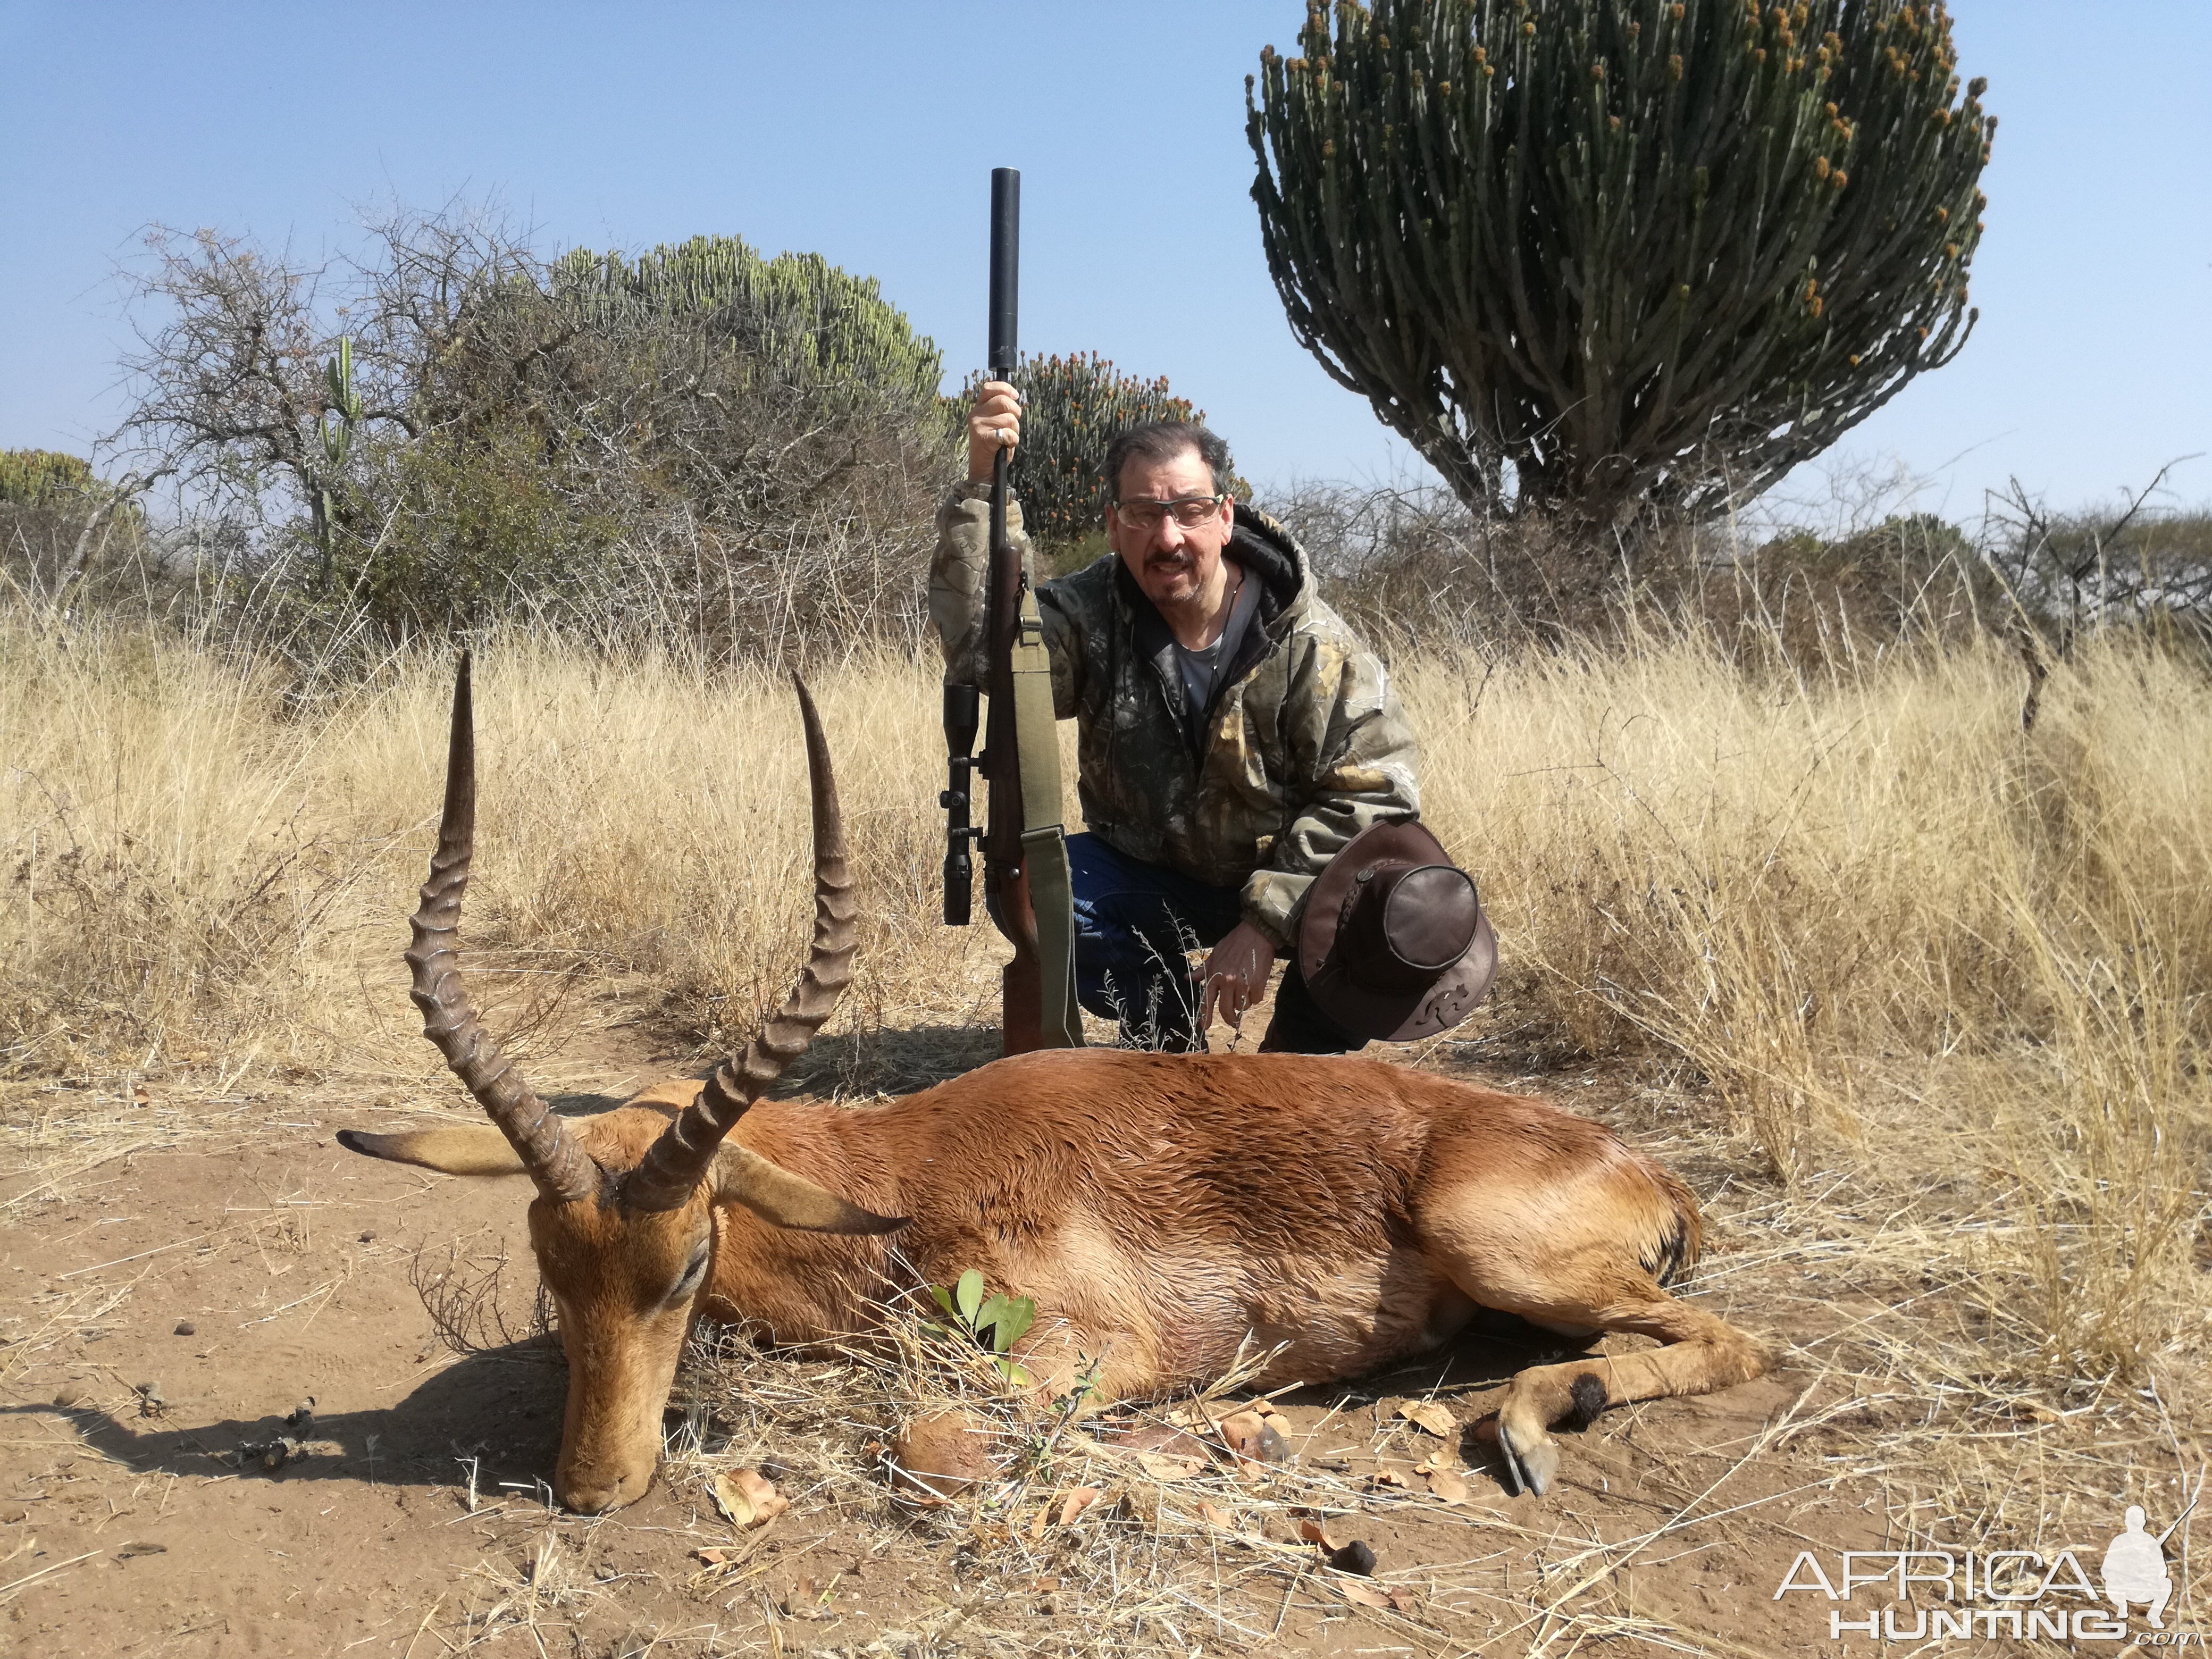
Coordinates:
x,y
35,478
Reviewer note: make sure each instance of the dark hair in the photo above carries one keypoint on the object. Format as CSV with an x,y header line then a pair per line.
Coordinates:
x,y
1166,441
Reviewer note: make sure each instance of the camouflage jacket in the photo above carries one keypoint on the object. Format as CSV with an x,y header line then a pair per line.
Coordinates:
x,y
1303,747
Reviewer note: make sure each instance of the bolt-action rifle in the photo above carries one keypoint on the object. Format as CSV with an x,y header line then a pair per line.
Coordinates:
x,y
1025,847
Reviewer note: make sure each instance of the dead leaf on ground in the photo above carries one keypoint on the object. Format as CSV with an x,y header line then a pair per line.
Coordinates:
x,y
1329,1536
1077,1500
1254,1436
1214,1516
939,1456
1430,1415
1160,1466
1448,1485
1392,1478
1162,1438
747,1498
807,1601
1366,1594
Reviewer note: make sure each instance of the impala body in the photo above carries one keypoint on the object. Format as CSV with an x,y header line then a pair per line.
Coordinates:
x,y
1163,1211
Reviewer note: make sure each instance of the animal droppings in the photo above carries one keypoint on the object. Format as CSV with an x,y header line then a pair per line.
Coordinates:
x,y
1356,1557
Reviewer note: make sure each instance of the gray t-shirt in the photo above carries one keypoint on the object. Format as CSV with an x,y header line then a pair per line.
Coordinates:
x,y
1199,667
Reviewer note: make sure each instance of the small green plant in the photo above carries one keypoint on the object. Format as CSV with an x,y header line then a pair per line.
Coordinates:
x,y
995,1324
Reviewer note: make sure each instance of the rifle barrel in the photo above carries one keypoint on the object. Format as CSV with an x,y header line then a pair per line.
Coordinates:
x,y
1005,268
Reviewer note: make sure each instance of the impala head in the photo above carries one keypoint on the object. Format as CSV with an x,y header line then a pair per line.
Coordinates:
x,y
623,1223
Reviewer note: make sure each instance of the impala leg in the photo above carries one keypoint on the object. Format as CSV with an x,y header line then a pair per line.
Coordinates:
x,y
1702,1353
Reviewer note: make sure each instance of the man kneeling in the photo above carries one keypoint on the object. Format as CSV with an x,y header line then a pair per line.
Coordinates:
x,y
1234,737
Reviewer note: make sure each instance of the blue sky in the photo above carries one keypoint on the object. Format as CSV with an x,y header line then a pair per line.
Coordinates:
x,y
867,131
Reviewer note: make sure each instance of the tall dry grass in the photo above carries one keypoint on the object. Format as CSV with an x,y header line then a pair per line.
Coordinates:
x,y
1955,969
202,869
1900,939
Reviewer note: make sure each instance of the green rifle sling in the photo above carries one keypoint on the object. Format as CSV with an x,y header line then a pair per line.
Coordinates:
x,y
1044,833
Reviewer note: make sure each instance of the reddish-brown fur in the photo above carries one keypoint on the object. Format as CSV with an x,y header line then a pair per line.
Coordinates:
x,y
1164,1212
1167,1214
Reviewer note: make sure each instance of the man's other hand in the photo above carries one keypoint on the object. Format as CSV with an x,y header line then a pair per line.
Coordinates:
x,y
996,424
1235,975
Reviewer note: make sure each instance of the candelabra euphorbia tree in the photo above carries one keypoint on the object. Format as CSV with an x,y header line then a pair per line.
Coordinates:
x,y
1636,252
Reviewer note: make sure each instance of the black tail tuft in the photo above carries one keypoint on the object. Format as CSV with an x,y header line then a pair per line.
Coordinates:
x,y
1588,1393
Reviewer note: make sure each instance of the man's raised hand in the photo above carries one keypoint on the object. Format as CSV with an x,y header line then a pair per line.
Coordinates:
x,y
995,424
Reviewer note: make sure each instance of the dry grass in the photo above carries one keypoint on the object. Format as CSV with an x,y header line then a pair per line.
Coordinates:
x,y
1900,940
201,875
1919,997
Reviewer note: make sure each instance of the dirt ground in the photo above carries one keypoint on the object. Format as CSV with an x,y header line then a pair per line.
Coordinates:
x,y
168,1308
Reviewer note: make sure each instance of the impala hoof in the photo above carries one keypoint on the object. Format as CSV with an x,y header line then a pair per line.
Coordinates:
x,y
1532,1460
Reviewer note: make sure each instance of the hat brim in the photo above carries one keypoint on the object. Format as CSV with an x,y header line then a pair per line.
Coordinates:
x,y
1364,1011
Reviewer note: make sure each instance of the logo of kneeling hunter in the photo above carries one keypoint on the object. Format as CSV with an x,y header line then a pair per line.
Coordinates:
x,y
1938,1593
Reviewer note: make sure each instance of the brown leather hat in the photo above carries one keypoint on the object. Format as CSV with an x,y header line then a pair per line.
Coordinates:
x,y
1393,944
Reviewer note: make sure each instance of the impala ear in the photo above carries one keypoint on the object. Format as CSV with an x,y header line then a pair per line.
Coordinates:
x,y
476,1150
784,1199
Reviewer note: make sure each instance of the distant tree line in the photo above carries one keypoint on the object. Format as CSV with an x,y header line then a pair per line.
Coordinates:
x,y
1612,266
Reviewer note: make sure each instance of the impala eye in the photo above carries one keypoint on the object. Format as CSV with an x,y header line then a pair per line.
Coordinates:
x,y
686,1282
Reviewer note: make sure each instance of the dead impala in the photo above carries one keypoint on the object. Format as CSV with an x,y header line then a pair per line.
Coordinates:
x,y
1161,1210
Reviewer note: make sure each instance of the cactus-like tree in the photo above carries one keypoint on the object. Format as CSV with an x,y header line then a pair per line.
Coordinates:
x,y
1638,251
1075,406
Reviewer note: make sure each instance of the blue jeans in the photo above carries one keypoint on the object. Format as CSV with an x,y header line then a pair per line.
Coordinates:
x,y
1133,922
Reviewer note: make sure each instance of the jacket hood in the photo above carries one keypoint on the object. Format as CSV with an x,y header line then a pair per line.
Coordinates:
x,y
1270,552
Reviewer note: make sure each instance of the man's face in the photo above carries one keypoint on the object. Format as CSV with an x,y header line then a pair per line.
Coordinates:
x,y
1173,563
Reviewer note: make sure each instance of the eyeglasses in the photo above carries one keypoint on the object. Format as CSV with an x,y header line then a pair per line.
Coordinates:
x,y
1190,511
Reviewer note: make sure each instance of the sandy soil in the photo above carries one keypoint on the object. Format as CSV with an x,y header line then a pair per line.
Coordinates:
x,y
170,1308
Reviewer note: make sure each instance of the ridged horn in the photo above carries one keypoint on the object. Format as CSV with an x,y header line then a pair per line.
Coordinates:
x,y
552,1155
675,1165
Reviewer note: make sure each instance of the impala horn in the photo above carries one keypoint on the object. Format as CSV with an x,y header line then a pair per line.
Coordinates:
x,y
552,1155
675,1165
